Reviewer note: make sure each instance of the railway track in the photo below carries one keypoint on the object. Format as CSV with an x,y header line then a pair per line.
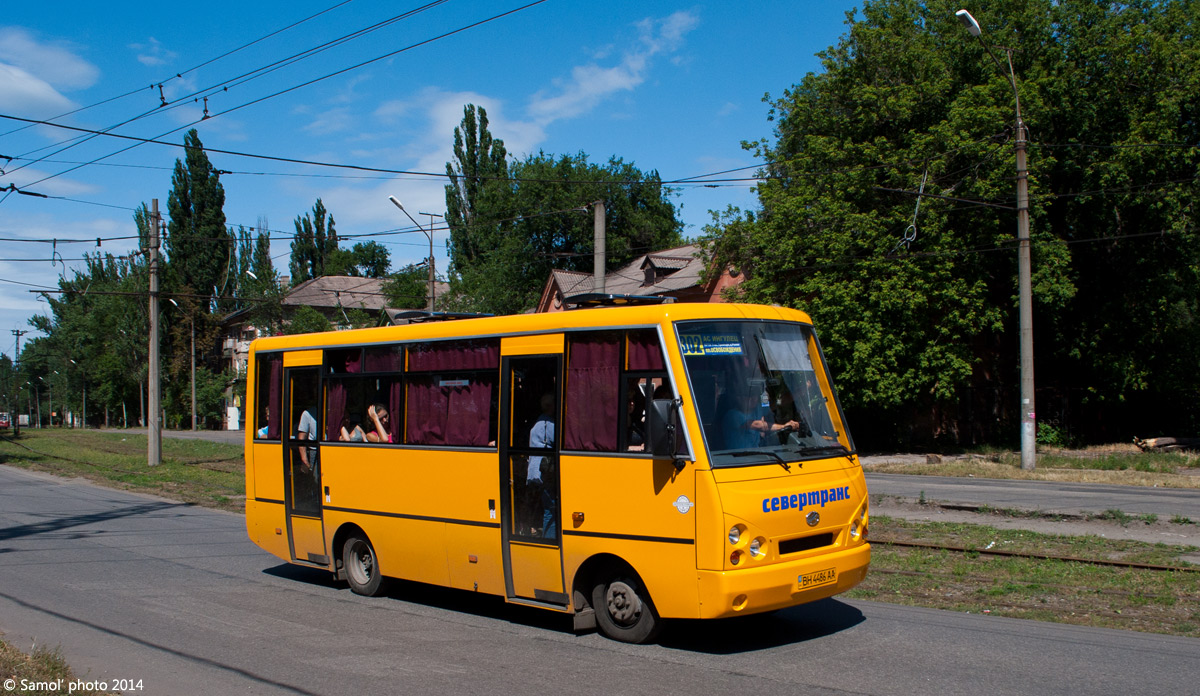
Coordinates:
x,y
1040,556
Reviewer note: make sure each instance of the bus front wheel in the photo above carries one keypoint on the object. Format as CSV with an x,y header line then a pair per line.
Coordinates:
x,y
623,609
362,568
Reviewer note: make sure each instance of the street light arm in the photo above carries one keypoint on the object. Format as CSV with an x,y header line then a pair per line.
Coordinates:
x,y
973,27
410,217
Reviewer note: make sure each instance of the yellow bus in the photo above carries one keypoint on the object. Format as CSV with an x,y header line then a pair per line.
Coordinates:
x,y
625,465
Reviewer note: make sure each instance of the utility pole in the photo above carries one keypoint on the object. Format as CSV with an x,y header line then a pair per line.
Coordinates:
x,y
1024,257
154,422
192,323
16,420
598,246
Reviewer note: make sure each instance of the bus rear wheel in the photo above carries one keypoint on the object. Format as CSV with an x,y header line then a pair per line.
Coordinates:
x,y
362,568
623,609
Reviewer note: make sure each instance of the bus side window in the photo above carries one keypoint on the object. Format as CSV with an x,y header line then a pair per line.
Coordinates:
x,y
593,412
452,393
268,397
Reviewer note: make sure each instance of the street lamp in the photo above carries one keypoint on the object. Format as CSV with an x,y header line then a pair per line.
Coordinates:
x,y
429,234
1025,311
192,326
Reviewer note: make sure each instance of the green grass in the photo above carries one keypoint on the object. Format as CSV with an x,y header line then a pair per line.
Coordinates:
x,y
194,471
40,669
1047,590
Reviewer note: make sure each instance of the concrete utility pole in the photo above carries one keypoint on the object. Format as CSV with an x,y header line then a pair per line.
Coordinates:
x,y
1024,259
154,421
598,246
16,420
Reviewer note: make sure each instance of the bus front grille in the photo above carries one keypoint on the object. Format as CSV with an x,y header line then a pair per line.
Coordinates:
x,y
805,543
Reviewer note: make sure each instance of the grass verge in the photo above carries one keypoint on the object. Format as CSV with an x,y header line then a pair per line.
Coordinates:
x,y
1047,590
193,471
42,671
1118,464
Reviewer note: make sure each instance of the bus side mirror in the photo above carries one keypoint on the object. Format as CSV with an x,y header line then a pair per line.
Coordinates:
x,y
662,424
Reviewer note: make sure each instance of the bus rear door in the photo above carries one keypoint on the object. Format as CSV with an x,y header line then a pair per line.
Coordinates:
x,y
530,408
302,417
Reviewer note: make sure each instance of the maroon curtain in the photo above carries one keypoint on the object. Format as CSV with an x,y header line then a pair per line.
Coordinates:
x,y
444,412
395,406
593,384
335,408
384,359
345,361
644,351
454,355
274,396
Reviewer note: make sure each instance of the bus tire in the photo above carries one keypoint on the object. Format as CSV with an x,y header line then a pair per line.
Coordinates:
x,y
361,566
623,609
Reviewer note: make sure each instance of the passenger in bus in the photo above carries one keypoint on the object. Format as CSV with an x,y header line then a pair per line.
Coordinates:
x,y
636,415
351,432
262,432
541,469
742,424
379,419
307,430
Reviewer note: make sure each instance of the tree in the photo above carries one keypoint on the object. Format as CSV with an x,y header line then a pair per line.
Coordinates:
x,y
314,243
886,213
477,190
555,228
307,320
371,260
198,246
407,288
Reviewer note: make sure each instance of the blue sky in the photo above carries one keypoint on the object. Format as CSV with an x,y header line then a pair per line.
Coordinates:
x,y
668,86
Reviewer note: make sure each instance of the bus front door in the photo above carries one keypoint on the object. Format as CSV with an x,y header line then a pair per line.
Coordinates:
x,y
302,465
531,401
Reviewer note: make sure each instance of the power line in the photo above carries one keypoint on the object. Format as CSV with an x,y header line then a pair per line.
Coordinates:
x,y
287,90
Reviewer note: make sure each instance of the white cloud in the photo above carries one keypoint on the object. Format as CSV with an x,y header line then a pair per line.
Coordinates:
x,y
591,84
29,96
54,63
330,121
152,53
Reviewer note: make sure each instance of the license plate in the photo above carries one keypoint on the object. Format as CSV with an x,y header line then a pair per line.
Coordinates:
x,y
820,577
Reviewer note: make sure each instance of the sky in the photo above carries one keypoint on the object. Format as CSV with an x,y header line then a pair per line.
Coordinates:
x,y
674,87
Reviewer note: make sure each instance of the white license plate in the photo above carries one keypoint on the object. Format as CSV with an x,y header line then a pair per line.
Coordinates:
x,y
818,578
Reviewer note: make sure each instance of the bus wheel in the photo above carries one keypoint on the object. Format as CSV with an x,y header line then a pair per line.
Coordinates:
x,y
624,611
362,570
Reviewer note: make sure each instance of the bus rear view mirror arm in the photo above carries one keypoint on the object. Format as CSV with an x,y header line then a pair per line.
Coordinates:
x,y
662,425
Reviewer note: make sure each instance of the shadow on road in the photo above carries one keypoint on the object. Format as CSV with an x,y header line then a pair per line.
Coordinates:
x,y
450,599
761,631
68,521
718,637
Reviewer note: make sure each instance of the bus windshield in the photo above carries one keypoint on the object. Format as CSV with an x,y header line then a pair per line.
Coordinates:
x,y
762,392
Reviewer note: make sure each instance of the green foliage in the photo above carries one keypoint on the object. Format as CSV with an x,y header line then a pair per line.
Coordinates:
x,y
314,244
922,335
408,288
307,320
545,223
199,248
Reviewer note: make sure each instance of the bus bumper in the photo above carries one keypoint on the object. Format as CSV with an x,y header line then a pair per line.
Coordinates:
x,y
751,590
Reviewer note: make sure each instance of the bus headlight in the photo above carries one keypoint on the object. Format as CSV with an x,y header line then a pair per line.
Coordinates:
x,y
735,533
858,528
756,547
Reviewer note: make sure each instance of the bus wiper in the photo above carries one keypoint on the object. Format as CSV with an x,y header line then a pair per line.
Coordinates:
x,y
826,448
769,453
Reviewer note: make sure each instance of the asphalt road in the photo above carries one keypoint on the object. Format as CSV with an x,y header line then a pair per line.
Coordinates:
x,y
1045,496
137,587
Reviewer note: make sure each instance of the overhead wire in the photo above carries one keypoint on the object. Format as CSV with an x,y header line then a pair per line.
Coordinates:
x,y
287,90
